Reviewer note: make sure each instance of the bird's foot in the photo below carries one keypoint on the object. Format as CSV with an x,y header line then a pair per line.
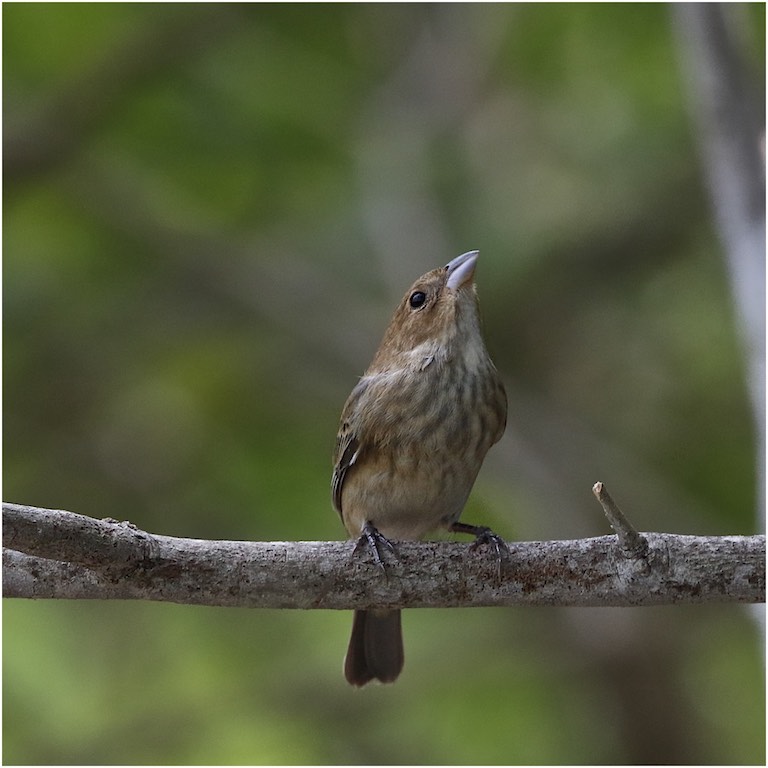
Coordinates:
x,y
372,540
484,536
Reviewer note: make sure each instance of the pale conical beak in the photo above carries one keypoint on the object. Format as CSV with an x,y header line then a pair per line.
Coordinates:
x,y
461,269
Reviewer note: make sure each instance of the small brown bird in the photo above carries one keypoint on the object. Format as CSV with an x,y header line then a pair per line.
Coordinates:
x,y
413,435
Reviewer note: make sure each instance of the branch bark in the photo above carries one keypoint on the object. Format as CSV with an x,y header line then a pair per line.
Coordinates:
x,y
57,554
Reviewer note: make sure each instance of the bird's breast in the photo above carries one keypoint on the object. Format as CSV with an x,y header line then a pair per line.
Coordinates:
x,y
425,442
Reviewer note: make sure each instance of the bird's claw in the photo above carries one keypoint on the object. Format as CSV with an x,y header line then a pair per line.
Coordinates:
x,y
485,536
371,539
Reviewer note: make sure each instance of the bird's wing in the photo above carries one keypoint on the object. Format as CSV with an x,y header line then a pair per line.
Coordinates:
x,y
347,453
348,441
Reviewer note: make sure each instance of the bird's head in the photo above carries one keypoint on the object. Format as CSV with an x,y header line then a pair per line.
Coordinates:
x,y
438,312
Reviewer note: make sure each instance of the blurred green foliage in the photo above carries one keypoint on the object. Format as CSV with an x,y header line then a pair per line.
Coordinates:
x,y
209,213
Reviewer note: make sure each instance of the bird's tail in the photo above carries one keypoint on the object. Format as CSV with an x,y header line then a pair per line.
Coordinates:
x,y
375,649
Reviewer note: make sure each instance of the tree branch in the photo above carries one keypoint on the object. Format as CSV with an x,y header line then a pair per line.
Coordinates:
x,y
633,544
57,554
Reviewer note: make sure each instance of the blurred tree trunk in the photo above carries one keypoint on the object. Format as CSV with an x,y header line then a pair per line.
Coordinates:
x,y
727,109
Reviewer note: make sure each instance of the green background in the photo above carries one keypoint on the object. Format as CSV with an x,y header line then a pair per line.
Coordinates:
x,y
210,212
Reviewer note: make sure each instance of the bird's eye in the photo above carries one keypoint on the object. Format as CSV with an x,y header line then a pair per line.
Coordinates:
x,y
417,299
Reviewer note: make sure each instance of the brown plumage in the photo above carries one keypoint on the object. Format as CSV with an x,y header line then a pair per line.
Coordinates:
x,y
413,435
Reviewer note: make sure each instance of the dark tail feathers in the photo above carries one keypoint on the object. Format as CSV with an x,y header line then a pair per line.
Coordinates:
x,y
375,649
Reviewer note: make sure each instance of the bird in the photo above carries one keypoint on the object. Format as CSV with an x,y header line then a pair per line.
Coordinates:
x,y
413,435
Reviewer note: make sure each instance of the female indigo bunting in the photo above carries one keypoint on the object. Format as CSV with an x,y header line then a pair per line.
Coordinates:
x,y
413,435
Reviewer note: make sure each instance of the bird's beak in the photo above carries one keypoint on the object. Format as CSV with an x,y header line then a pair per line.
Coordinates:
x,y
461,269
